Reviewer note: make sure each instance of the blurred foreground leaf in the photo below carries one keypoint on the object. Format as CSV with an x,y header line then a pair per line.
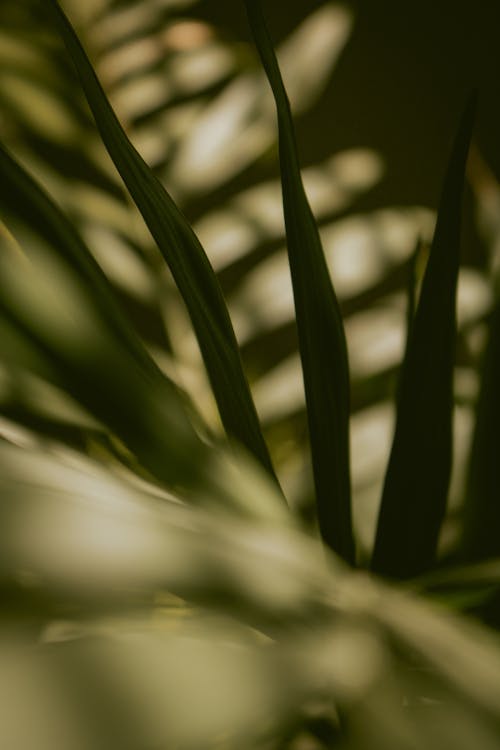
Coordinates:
x,y
24,200
51,326
265,627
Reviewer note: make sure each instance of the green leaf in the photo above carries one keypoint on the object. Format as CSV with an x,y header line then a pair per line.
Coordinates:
x,y
49,329
24,200
481,534
92,382
184,254
320,330
416,484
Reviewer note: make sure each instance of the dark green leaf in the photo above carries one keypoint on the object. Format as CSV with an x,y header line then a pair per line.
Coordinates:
x,y
320,329
416,484
186,258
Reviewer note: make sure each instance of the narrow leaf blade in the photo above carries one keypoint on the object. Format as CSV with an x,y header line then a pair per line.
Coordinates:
x,y
321,334
184,254
415,491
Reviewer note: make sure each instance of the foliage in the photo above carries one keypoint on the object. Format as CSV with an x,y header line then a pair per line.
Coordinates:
x,y
159,591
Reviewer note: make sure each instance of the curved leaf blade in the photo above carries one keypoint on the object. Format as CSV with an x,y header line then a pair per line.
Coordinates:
x,y
415,490
321,334
183,253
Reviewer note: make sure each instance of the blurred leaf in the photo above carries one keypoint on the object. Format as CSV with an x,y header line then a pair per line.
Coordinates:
x,y
79,544
415,492
254,216
53,329
462,587
321,333
35,103
236,127
105,541
90,365
185,256
21,197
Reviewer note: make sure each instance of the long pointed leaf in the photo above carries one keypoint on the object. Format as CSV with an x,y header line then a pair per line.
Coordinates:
x,y
416,484
321,334
184,254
